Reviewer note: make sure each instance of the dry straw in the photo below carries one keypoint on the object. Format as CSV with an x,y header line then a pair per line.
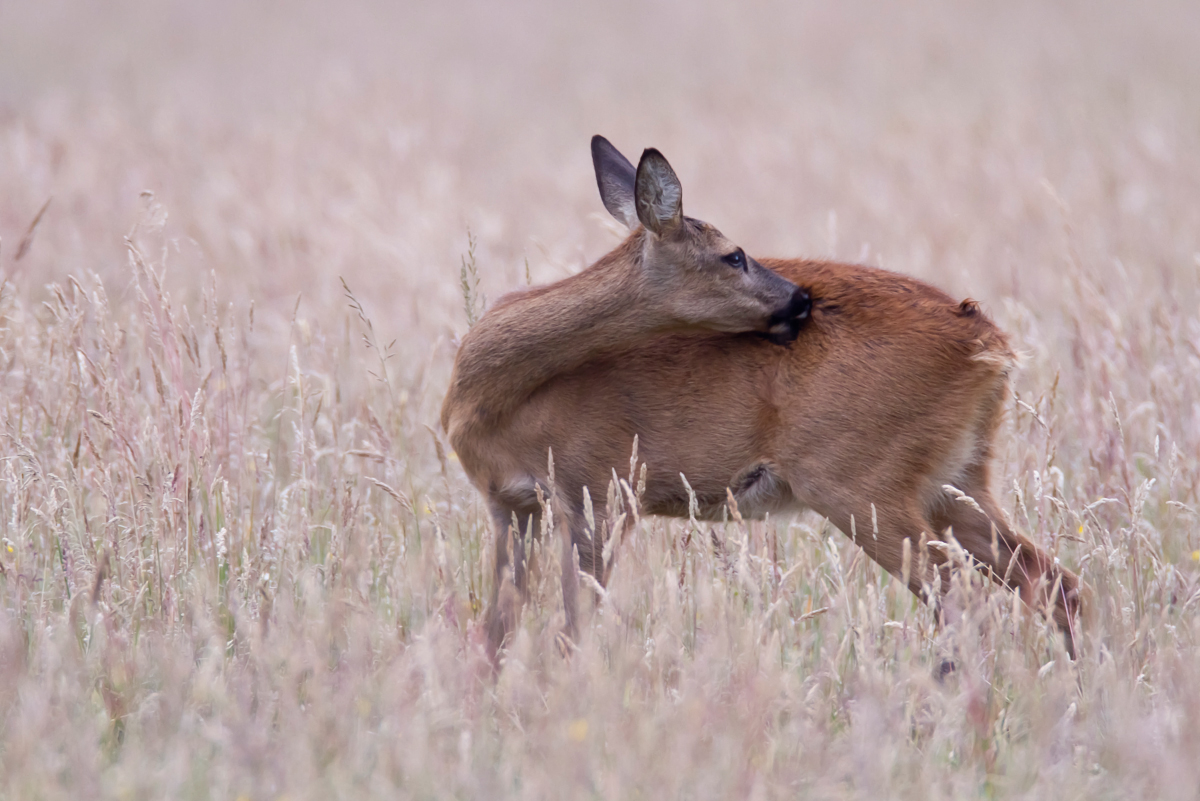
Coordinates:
x,y
236,562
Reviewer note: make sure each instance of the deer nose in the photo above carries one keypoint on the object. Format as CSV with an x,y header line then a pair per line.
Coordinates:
x,y
785,324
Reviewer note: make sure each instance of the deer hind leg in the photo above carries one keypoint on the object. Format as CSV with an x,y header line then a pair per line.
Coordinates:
x,y
895,536
981,528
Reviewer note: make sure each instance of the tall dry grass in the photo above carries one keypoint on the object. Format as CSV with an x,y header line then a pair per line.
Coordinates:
x,y
236,559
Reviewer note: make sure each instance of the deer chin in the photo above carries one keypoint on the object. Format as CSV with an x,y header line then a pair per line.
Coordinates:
x,y
785,325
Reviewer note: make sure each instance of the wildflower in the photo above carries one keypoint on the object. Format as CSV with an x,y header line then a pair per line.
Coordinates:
x,y
577,730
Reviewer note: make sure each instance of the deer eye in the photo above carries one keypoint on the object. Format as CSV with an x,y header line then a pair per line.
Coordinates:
x,y
736,259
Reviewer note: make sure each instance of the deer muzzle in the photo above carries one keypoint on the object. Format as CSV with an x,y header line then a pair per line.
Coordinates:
x,y
784,325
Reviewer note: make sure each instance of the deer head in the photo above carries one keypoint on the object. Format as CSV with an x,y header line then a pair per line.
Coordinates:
x,y
691,270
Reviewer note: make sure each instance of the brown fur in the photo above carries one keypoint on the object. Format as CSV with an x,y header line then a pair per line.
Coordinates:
x,y
891,391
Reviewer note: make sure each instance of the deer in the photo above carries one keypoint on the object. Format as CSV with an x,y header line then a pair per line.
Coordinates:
x,y
867,396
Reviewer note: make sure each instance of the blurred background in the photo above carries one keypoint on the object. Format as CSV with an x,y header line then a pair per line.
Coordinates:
x,y
985,146
319,560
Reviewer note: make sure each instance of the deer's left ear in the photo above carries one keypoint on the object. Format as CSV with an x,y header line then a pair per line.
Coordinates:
x,y
615,177
658,193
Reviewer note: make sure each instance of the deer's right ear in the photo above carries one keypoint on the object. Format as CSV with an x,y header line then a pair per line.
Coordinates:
x,y
658,193
616,178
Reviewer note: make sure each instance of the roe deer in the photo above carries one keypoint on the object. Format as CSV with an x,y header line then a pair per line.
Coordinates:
x,y
784,384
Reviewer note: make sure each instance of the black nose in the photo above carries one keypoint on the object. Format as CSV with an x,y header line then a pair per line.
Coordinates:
x,y
785,324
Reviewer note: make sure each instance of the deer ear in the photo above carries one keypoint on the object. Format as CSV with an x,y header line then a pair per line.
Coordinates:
x,y
615,176
659,195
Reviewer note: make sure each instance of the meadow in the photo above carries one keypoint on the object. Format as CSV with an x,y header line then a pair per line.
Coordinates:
x,y
239,560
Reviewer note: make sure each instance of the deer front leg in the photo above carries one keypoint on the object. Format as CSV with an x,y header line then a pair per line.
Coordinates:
x,y
510,584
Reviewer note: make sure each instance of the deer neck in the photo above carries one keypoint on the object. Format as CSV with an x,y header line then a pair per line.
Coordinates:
x,y
530,337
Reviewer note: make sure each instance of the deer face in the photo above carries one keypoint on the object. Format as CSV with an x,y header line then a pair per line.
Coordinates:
x,y
709,282
692,271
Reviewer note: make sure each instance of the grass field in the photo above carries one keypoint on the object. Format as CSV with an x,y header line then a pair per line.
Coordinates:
x,y
237,559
